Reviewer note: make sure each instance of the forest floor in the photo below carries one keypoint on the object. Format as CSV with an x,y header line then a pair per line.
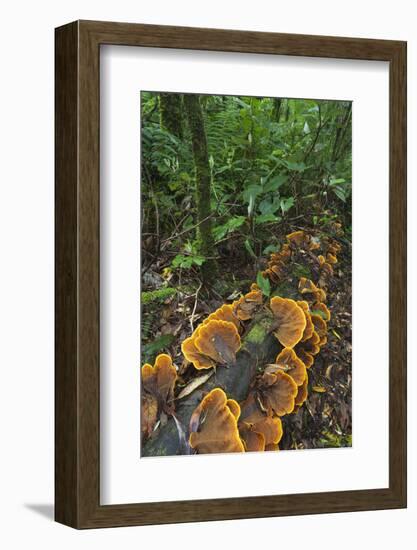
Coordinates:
x,y
175,304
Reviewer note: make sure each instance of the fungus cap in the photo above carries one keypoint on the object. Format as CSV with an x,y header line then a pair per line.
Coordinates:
x,y
294,365
305,357
320,295
302,394
149,413
193,355
276,393
254,421
290,321
246,307
308,331
224,313
218,340
252,441
320,325
297,237
158,383
321,309
331,259
306,286
159,380
213,425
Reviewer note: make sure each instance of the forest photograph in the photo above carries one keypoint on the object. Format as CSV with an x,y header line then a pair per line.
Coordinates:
x,y
246,263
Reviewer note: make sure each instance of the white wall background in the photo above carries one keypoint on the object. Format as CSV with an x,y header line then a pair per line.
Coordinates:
x,y
26,272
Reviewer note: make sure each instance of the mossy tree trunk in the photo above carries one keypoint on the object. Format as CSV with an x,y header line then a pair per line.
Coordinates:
x,y
203,184
171,113
276,111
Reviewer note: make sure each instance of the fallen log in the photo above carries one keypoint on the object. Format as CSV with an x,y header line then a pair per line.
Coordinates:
x,y
259,346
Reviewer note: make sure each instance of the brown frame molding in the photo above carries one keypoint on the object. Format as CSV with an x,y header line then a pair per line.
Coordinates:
x,y
77,374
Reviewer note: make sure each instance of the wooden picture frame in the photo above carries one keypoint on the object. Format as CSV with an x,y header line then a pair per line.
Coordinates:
x,y
77,405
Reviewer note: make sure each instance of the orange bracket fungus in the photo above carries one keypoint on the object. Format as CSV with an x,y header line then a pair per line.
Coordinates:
x,y
320,325
298,238
158,384
276,265
292,365
276,393
193,355
258,431
303,240
331,258
302,394
321,309
159,380
290,321
218,424
308,331
218,340
305,357
224,313
149,413
306,286
246,307
213,425
213,342
310,346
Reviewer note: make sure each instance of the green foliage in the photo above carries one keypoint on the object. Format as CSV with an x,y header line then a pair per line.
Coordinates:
x,y
301,271
186,262
263,284
190,258
230,226
158,345
330,439
270,161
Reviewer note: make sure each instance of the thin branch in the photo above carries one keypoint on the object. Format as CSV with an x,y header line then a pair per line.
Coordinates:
x,y
195,307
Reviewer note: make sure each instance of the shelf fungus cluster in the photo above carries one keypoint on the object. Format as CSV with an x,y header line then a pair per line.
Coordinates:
x,y
214,342
158,383
277,267
218,423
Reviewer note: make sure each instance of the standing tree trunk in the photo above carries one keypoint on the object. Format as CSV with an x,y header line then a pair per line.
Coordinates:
x,y
203,185
170,109
276,111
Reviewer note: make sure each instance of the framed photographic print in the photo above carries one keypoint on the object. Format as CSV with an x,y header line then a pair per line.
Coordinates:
x,y
230,274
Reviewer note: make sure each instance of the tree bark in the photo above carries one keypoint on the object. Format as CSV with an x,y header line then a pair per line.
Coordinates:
x,y
259,347
171,113
276,111
203,184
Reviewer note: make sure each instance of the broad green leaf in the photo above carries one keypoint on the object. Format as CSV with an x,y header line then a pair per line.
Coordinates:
x,y
251,191
263,284
286,204
269,207
275,183
340,193
265,218
249,248
151,349
222,230
297,166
